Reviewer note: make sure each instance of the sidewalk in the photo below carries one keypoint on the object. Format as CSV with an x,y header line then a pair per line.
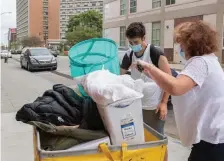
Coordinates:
x,y
17,88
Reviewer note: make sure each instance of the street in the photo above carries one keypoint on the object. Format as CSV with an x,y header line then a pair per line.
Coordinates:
x,y
19,87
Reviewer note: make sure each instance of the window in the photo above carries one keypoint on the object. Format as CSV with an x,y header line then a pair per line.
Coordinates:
x,y
169,2
122,36
133,6
122,7
156,3
156,33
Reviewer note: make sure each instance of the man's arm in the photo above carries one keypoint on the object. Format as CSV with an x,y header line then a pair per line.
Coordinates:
x,y
164,66
126,63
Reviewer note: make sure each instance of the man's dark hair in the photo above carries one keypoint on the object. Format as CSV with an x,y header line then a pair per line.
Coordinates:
x,y
135,29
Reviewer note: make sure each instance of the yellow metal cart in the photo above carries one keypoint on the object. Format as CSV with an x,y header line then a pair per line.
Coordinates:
x,y
152,150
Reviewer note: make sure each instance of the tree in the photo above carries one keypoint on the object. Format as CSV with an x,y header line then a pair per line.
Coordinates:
x,y
14,44
81,34
32,41
84,26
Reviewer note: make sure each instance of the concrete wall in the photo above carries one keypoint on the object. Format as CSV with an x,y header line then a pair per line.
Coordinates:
x,y
53,19
114,34
112,10
184,4
211,19
168,33
144,5
148,27
184,1
168,39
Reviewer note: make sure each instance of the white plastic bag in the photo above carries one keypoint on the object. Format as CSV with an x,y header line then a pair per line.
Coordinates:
x,y
106,88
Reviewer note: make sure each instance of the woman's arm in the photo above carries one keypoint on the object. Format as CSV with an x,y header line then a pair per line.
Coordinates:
x,y
164,66
173,86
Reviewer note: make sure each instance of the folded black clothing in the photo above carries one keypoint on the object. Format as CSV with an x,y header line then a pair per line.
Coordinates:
x,y
62,106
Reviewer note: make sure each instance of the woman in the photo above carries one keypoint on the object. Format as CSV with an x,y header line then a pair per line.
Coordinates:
x,y
198,91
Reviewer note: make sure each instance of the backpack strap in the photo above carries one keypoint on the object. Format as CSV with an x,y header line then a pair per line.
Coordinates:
x,y
131,56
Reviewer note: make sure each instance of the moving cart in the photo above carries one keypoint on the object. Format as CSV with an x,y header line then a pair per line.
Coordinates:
x,y
153,149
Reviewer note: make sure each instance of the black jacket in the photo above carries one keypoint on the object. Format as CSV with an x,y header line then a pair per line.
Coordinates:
x,y
62,106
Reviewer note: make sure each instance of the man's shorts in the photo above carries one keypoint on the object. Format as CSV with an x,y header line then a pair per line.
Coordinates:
x,y
151,118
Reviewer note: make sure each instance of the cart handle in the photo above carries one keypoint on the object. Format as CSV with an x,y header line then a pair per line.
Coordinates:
x,y
104,148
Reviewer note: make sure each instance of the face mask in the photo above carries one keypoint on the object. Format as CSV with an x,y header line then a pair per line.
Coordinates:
x,y
136,48
181,52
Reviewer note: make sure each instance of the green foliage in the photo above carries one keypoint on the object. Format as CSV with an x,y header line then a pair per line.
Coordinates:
x,y
84,26
32,41
81,34
14,45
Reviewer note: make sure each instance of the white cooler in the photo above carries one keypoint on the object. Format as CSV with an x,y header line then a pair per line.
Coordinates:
x,y
124,121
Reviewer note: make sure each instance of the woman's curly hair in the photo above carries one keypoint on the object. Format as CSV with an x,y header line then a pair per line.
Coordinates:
x,y
197,38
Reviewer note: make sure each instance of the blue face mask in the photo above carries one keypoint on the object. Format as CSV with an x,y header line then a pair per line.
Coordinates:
x,y
136,48
181,52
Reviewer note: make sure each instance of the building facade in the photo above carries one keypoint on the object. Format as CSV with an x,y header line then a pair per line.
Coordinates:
x,y
47,19
11,36
38,18
160,17
22,18
69,8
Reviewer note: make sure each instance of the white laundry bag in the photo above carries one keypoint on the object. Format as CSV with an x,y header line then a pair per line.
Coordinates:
x,y
106,88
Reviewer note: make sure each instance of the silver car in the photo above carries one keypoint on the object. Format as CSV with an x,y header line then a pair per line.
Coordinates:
x,y
35,58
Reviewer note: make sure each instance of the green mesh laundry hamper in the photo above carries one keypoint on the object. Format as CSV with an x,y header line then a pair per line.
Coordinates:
x,y
94,54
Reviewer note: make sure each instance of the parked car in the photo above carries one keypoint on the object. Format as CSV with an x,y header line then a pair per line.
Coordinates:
x,y
35,58
54,52
18,51
6,53
9,54
13,51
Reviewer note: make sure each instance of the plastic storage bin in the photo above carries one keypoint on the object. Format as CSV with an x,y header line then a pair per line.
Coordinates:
x,y
124,121
94,54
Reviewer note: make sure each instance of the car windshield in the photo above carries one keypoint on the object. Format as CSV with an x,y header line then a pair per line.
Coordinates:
x,y
39,52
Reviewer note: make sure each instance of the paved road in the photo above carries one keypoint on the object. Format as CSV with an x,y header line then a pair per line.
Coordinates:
x,y
19,87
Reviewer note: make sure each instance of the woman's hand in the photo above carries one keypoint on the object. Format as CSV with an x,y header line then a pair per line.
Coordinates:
x,y
144,66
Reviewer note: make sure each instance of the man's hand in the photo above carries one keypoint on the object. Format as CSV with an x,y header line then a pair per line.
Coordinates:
x,y
162,108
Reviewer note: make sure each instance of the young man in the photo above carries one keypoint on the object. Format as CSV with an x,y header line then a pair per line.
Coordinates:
x,y
153,116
